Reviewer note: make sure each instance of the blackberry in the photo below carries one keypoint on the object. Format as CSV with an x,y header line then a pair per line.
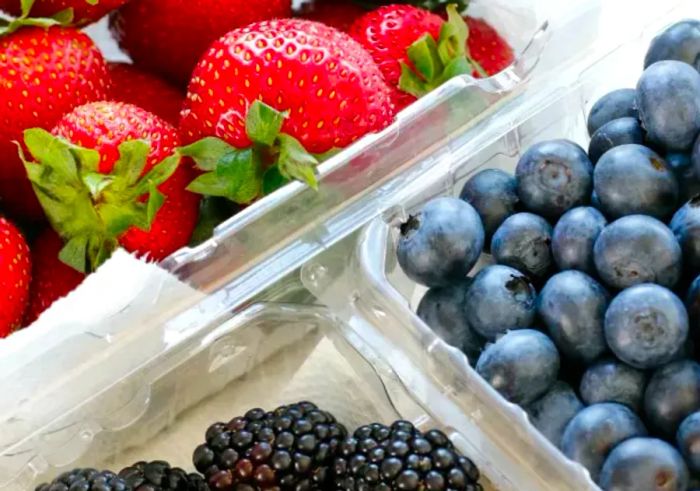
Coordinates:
x,y
86,480
400,457
160,476
292,447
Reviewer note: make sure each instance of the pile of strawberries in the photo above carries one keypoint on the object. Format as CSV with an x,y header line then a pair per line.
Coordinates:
x,y
226,99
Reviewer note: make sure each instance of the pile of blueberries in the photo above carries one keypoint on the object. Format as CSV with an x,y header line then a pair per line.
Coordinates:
x,y
587,312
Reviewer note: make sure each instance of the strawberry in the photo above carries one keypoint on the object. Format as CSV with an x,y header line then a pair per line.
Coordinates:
x,y
169,36
110,175
290,87
333,13
44,73
15,276
142,89
488,47
51,278
84,11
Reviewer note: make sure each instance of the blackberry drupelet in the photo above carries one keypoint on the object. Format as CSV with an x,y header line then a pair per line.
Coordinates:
x,y
400,457
161,476
292,447
86,480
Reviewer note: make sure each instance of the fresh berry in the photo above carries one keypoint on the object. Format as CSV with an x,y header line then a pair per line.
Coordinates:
x,y
552,412
84,11
85,480
488,48
51,278
672,394
44,73
494,195
161,476
574,236
668,98
403,458
688,440
522,365
594,432
292,447
500,298
620,103
15,277
686,227
170,36
553,177
679,42
644,464
617,132
610,380
441,243
572,306
682,165
523,242
132,85
334,13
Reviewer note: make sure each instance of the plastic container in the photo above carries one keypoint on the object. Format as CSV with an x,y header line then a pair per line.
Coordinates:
x,y
364,284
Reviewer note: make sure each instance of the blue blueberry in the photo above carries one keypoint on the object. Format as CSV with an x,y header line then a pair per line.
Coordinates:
x,y
682,166
637,249
610,380
552,412
499,299
594,432
523,242
672,394
614,105
613,134
688,440
522,365
632,179
680,42
572,306
441,244
574,236
686,227
668,98
442,309
553,177
494,195
646,326
595,201
692,304
644,464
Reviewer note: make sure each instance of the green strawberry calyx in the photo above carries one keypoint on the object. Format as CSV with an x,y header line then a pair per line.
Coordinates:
x,y
243,175
91,210
10,25
435,62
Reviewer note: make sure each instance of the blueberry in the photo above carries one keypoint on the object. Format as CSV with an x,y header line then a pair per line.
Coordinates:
x,y
494,195
523,242
574,236
672,394
692,303
682,166
595,431
552,412
553,177
668,98
686,227
614,105
443,310
522,365
499,299
680,42
637,249
644,464
646,325
441,244
572,306
595,201
611,380
632,179
688,440
613,134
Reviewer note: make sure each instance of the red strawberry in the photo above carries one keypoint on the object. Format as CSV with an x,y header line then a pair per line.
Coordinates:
x,y
488,47
135,152
338,14
51,278
44,73
84,11
15,276
169,36
129,84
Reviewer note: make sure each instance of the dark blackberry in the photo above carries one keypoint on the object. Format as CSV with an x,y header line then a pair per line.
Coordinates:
x,y
160,476
86,480
401,458
292,447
